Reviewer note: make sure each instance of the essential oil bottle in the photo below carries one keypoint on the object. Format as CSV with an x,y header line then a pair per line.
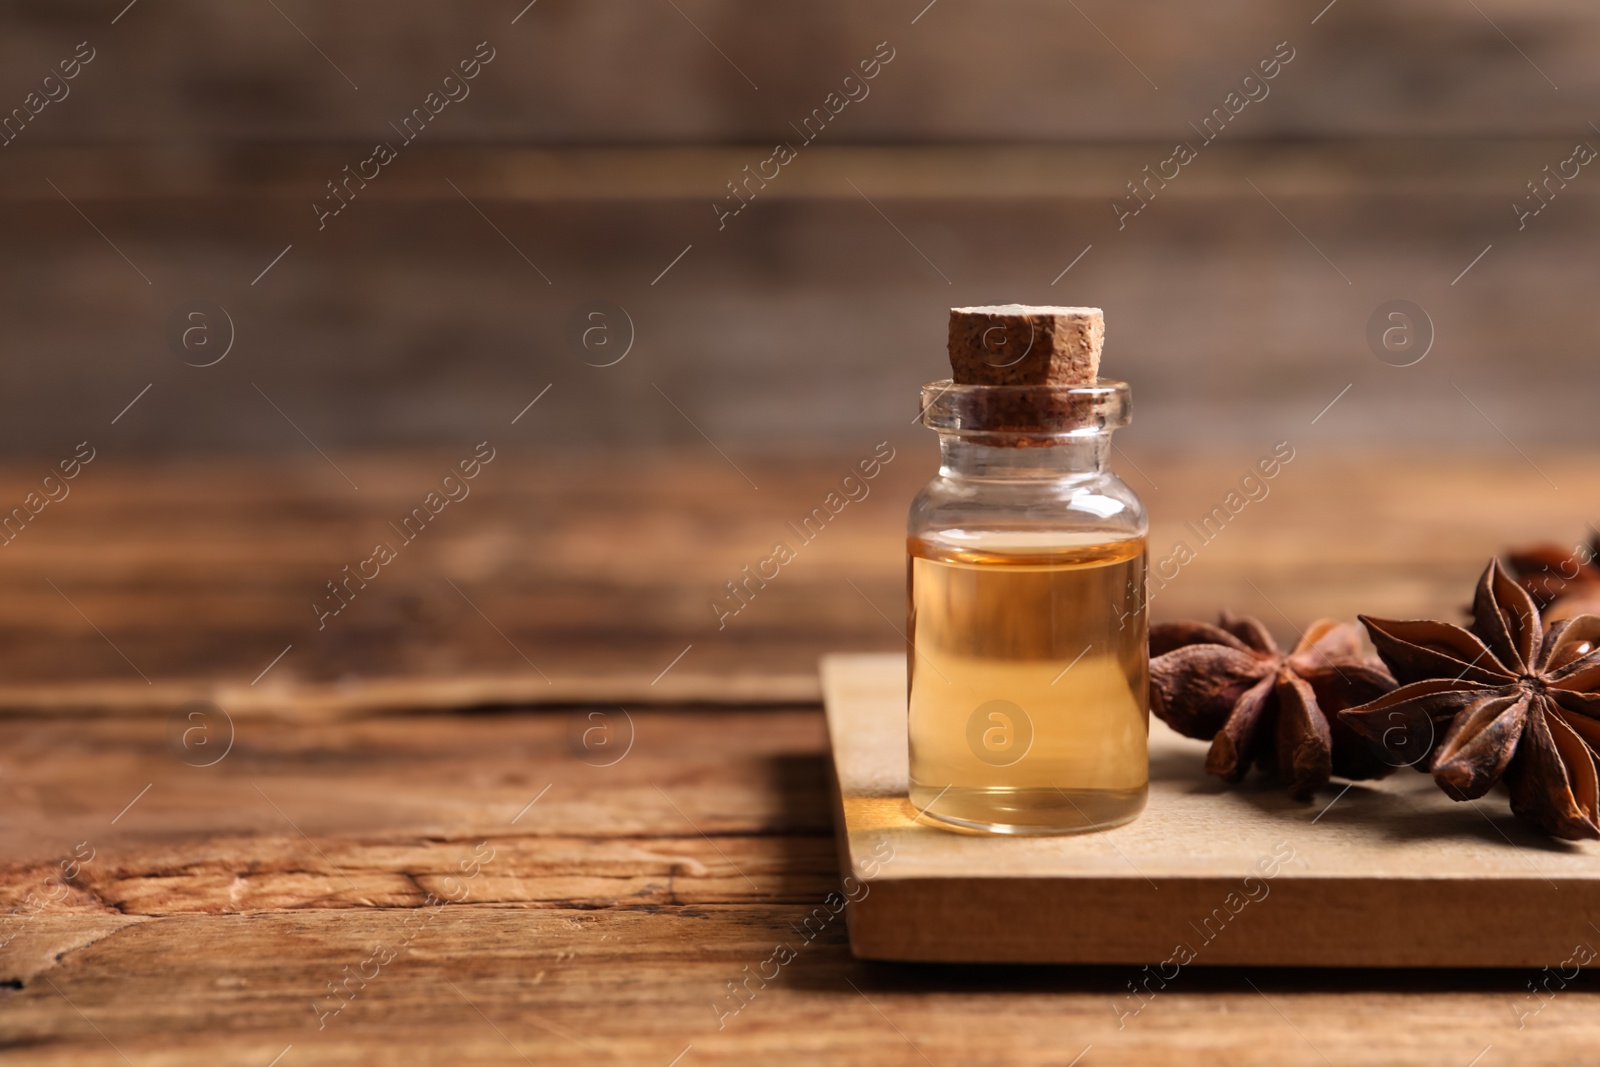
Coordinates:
x,y
1028,661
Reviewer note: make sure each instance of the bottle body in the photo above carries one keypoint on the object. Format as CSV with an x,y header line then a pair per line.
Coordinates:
x,y
1028,659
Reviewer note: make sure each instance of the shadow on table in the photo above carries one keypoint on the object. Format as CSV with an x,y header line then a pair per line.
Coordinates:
x,y
1112,981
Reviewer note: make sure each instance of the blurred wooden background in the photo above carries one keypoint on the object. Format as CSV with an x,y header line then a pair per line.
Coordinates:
x,y
596,579
983,162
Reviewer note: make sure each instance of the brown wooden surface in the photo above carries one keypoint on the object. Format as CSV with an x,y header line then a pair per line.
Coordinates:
x,y
1384,161
603,930
569,72
410,322
602,569
1390,873
219,904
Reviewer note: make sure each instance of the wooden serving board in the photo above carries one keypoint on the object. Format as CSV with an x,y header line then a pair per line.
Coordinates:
x,y
1389,873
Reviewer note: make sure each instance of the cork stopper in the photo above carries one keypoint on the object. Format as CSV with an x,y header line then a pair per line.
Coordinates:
x,y
1014,344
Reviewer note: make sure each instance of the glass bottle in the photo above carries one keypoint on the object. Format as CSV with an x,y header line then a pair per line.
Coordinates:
x,y
1028,663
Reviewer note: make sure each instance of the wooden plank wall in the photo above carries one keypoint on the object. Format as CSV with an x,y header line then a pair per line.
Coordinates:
x,y
1383,160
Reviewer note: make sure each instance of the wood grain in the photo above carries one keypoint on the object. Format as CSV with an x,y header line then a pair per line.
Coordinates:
x,y
568,72
598,141
604,930
150,174
1230,326
602,570
221,900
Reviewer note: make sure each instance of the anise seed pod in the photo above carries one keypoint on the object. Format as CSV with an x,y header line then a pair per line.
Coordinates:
x,y
1507,699
1230,684
1561,583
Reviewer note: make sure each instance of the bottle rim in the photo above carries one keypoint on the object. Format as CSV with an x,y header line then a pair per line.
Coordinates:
x,y
1026,411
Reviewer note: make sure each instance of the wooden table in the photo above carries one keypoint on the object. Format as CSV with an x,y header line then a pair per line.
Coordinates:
x,y
420,848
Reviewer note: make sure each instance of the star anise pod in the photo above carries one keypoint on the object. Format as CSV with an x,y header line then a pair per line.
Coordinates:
x,y
1506,699
1259,706
1564,584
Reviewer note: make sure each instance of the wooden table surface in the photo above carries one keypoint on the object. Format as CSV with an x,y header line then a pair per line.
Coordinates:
x,y
421,847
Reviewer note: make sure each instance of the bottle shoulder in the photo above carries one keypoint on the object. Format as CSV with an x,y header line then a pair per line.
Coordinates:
x,y
1099,505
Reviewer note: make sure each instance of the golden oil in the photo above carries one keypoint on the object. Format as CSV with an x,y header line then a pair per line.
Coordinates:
x,y
1028,680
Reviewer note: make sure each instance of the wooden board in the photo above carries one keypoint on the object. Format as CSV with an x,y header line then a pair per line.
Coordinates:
x,y
1389,873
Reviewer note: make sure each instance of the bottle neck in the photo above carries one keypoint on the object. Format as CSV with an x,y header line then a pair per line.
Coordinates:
x,y
1086,455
